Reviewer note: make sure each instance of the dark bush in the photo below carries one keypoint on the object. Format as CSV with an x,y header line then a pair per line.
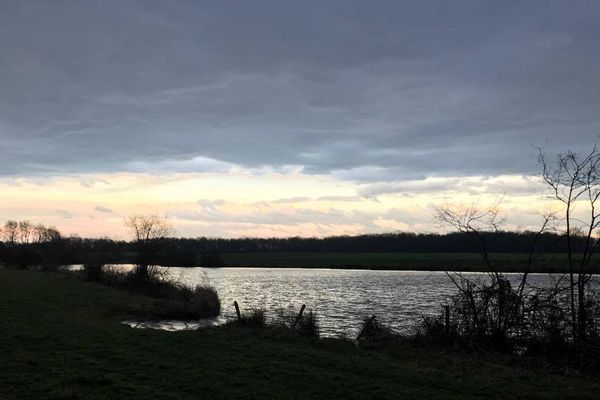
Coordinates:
x,y
93,272
304,325
307,325
434,329
199,302
373,331
180,301
487,313
255,319
143,274
547,329
534,322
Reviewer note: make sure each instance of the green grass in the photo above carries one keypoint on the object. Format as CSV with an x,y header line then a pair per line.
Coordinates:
x,y
503,262
61,338
395,261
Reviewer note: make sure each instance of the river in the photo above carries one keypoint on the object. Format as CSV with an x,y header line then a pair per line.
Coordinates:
x,y
340,298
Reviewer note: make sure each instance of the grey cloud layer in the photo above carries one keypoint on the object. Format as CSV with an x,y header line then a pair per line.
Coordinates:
x,y
364,91
329,218
103,209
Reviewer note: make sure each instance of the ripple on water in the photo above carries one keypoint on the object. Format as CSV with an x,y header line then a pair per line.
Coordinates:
x,y
341,298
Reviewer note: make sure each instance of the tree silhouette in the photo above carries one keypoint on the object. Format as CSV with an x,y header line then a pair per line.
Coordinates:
x,y
149,233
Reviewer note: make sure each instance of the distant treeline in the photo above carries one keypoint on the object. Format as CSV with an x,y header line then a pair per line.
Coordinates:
x,y
56,249
497,242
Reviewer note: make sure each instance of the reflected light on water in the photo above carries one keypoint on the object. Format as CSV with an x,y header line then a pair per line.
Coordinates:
x,y
340,298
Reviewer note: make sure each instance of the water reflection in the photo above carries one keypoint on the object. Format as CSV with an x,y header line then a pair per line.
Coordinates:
x,y
176,325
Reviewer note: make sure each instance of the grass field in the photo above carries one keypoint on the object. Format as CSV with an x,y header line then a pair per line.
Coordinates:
x,y
61,338
396,261
504,262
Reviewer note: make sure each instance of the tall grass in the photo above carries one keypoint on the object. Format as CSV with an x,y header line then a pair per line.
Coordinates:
x,y
256,318
305,325
373,331
284,320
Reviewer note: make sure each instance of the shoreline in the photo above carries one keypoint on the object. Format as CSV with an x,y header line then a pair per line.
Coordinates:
x,y
422,262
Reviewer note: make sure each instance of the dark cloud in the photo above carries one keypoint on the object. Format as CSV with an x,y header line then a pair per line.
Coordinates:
x,y
293,218
523,186
103,209
64,214
366,91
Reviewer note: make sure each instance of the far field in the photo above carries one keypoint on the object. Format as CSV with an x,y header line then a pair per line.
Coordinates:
x,y
505,262
501,262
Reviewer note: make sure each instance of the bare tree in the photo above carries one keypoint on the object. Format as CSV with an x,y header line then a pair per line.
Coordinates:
x,y
10,231
574,180
474,221
39,233
25,231
52,234
494,308
491,308
149,232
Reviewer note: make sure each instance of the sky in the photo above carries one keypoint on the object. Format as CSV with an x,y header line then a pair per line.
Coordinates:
x,y
286,118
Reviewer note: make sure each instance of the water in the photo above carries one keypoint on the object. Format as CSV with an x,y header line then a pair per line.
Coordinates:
x,y
341,298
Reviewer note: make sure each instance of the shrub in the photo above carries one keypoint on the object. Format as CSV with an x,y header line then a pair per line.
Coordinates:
x,y
144,273
535,322
433,329
113,275
93,272
483,313
305,325
199,302
180,301
373,331
256,319
547,327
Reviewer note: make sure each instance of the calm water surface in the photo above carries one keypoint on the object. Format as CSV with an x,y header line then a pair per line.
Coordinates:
x,y
341,298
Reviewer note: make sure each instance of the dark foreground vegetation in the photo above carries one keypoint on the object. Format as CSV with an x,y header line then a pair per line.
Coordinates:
x,y
179,301
62,338
301,324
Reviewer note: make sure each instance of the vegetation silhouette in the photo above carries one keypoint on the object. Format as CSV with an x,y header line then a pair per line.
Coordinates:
x,y
561,321
401,248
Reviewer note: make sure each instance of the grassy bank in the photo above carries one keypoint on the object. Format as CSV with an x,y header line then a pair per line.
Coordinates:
x,y
61,338
397,261
504,262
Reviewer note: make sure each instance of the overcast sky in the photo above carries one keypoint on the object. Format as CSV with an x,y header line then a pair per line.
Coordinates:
x,y
379,95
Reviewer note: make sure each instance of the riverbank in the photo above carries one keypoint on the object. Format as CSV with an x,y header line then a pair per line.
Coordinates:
x,y
467,262
62,338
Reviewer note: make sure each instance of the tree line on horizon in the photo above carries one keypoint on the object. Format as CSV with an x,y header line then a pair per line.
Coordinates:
x,y
25,242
